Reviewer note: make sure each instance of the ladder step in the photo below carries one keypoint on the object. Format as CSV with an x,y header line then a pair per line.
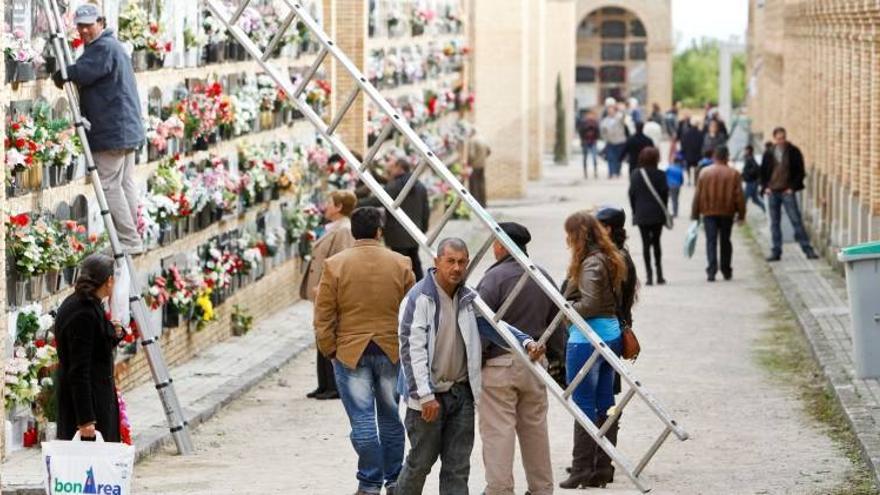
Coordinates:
x,y
380,140
653,450
553,327
240,10
479,256
310,74
447,216
278,35
511,298
618,410
582,373
407,188
342,111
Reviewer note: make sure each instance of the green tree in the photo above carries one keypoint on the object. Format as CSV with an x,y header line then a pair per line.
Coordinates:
x,y
559,146
695,75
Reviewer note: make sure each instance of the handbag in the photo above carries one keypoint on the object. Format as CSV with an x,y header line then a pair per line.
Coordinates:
x,y
669,221
631,346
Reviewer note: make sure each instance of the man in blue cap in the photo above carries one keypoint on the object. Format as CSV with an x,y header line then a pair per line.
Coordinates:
x,y
110,103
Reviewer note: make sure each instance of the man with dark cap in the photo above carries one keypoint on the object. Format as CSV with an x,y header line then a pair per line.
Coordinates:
x,y
109,101
514,401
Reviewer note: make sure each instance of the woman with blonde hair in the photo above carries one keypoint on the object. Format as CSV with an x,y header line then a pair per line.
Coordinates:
x,y
595,278
337,236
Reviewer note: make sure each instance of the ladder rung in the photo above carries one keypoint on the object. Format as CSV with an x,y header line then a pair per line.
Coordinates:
x,y
653,450
380,140
278,35
240,10
511,296
342,111
553,327
618,410
582,373
410,184
479,256
447,216
307,78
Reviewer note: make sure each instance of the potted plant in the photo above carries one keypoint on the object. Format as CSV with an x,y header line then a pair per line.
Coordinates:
x,y
133,29
21,57
242,321
215,33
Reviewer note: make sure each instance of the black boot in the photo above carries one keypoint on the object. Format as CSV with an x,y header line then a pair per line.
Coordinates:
x,y
583,459
660,279
604,470
649,274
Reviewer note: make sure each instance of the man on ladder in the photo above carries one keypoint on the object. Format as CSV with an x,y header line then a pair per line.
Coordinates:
x,y
109,101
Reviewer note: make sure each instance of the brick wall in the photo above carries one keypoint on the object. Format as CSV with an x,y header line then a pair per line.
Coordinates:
x,y
815,65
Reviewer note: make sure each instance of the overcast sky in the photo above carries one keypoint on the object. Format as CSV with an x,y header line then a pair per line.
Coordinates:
x,y
695,19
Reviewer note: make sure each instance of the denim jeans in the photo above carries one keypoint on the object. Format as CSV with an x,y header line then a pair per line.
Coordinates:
x,y
450,436
595,394
673,199
778,200
752,193
718,227
614,155
588,151
369,395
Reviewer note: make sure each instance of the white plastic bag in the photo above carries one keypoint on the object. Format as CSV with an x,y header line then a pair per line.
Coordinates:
x,y
690,242
120,306
87,467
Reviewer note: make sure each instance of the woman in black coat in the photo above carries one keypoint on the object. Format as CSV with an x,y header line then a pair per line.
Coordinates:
x,y
648,214
86,390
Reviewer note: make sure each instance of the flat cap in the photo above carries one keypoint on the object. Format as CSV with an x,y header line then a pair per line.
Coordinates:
x,y
517,232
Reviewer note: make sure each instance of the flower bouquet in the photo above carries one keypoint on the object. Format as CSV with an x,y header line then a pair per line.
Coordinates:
x,y
21,57
216,37
318,94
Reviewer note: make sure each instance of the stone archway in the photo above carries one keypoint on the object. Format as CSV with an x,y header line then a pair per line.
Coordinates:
x,y
624,49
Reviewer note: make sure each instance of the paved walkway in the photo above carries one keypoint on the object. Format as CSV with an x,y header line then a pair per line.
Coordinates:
x,y
749,433
818,296
204,385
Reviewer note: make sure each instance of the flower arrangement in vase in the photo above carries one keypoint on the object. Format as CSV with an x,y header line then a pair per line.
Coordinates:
x,y
22,57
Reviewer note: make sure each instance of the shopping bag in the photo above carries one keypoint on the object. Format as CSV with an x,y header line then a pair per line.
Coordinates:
x,y
120,303
87,467
690,242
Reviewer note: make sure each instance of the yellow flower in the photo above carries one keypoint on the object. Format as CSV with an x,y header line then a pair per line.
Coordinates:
x,y
204,302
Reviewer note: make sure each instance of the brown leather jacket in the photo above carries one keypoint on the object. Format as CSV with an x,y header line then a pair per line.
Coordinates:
x,y
719,193
358,301
593,296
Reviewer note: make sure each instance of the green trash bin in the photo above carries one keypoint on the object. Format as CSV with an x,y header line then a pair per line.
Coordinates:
x,y
863,284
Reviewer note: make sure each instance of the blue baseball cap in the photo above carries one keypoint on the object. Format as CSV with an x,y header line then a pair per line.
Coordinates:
x,y
86,14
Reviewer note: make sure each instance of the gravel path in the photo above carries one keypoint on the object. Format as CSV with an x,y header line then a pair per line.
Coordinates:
x,y
749,435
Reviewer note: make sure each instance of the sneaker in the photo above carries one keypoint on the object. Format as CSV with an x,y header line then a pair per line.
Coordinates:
x,y
774,258
812,256
710,278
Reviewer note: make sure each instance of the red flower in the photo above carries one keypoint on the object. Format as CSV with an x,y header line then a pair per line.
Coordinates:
x,y
16,126
154,28
168,47
21,220
77,42
40,343
20,142
264,249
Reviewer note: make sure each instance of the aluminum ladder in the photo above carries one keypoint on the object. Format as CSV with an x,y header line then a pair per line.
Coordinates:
x,y
148,337
297,12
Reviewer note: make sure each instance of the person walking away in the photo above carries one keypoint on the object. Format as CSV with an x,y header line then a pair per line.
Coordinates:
x,y
337,238
674,181
588,130
514,400
751,175
415,206
634,146
692,147
478,153
595,279
713,139
670,123
656,115
614,133
110,103
782,176
356,326
441,342
614,221
649,213
719,201
86,340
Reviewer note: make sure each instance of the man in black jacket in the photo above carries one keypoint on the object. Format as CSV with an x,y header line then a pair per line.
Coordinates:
x,y
109,101
782,175
634,146
416,208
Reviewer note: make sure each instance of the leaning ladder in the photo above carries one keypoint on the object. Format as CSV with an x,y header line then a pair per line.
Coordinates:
x,y
148,336
297,12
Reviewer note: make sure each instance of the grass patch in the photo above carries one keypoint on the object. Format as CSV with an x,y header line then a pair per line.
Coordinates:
x,y
784,352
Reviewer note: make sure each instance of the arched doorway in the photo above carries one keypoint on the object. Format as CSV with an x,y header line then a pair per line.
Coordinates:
x,y
612,57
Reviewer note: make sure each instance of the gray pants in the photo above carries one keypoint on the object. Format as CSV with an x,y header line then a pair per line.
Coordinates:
x,y
116,169
450,437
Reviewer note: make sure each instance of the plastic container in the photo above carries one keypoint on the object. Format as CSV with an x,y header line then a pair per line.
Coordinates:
x,y
863,285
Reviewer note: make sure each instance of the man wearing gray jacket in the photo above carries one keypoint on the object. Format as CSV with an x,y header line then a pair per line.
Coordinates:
x,y
441,341
110,103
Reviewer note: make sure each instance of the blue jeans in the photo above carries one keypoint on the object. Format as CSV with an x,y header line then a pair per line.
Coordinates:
x,y
450,437
369,395
778,200
614,155
595,394
588,151
719,228
753,194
